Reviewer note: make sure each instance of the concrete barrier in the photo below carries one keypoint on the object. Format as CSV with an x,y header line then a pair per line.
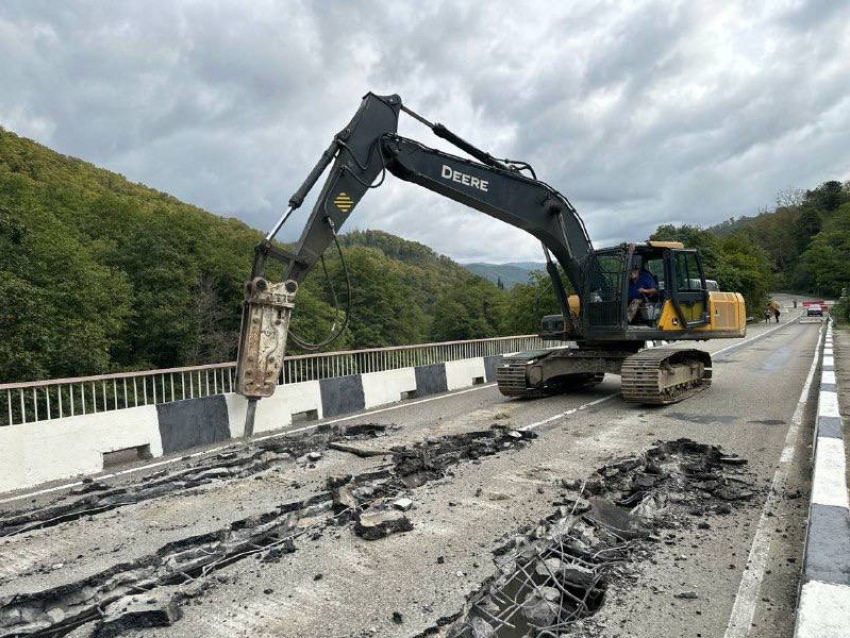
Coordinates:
x,y
276,412
389,386
44,451
430,379
490,365
464,373
192,423
342,395
823,609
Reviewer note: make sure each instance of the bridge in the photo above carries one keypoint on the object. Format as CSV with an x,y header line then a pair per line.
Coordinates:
x,y
395,492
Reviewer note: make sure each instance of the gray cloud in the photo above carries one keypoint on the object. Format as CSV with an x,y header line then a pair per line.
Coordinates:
x,y
642,113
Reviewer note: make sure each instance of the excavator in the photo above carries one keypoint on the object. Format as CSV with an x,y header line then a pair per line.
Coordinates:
x,y
604,331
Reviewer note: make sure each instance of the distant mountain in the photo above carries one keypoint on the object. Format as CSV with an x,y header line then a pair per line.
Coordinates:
x,y
510,274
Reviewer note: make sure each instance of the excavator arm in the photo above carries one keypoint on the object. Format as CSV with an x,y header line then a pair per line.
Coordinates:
x,y
361,155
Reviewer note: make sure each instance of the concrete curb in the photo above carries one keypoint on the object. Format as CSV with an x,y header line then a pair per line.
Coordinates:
x,y
47,451
823,609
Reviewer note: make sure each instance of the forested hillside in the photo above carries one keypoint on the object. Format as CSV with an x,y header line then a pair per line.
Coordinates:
x,y
98,274
505,275
802,246
806,238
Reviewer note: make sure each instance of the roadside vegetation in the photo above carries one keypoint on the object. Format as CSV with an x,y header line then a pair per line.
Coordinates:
x,y
806,239
98,274
841,311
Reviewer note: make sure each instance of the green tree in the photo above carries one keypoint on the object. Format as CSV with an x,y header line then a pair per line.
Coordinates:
x,y
828,197
530,302
61,310
383,313
471,309
744,268
826,262
808,225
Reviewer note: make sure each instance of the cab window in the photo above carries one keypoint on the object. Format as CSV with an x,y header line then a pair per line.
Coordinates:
x,y
611,269
687,273
656,267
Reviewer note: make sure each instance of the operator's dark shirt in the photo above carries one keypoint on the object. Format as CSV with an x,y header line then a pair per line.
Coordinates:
x,y
644,280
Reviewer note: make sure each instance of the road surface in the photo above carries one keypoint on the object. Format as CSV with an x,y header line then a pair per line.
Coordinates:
x,y
743,568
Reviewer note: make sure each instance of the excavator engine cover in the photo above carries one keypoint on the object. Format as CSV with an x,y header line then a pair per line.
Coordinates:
x,y
265,325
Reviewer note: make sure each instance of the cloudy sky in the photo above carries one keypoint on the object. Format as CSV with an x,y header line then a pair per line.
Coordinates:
x,y
640,112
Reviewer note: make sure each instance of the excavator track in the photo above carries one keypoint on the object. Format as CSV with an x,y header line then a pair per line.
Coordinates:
x,y
512,377
659,376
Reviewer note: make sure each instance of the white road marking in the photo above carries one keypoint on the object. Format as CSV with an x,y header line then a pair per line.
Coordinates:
x,y
747,597
823,611
827,376
584,406
760,335
829,485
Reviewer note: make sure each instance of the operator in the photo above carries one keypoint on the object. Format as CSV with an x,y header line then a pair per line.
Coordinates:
x,y
642,284
642,287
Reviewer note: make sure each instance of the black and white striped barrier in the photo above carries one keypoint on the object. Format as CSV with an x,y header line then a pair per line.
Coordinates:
x,y
44,451
824,606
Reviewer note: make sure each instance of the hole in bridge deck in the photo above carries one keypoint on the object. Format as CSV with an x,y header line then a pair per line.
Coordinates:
x,y
541,598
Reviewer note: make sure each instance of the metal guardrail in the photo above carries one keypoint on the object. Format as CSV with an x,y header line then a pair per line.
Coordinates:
x,y
31,401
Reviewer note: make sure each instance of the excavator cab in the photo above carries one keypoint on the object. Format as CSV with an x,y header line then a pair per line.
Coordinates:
x,y
681,301
680,284
617,326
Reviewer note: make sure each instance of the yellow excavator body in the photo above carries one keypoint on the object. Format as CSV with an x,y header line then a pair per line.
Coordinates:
x,y
726,310
727,316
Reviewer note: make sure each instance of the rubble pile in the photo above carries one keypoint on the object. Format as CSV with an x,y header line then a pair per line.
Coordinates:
x,y
95,497
148,591
554,575
178,567
376,500
428,460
